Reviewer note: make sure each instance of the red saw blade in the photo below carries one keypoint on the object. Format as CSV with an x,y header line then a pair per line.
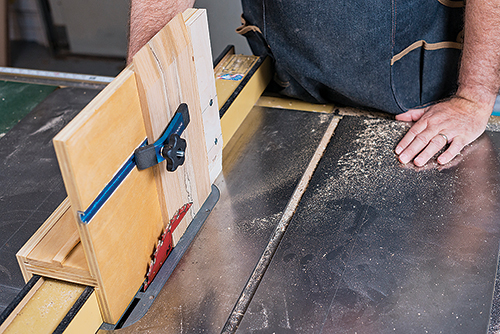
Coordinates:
x,y
164,246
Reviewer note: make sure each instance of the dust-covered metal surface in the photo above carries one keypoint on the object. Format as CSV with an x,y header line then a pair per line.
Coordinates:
x,y
261,168
494,327
31,182
377,247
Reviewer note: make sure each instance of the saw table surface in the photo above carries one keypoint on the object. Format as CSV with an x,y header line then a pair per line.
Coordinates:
x,y
31,183
373,247
17,99
377,247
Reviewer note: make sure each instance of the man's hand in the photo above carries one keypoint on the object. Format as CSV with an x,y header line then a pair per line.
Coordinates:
x,y
463,118
457,122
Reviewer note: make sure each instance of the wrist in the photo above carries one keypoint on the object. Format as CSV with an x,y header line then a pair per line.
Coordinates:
x,y
479,95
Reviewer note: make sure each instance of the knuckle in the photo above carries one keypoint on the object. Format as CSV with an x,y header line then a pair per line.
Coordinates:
x,y
458,143
413,132
434,121
422,138
437,141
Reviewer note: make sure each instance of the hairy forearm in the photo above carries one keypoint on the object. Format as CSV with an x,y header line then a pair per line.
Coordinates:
x,y
479,79
148,17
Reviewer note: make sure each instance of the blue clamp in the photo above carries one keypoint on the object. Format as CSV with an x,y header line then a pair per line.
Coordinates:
x,y
170,146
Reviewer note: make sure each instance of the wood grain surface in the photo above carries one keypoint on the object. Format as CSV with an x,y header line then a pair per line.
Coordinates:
x,y
166,77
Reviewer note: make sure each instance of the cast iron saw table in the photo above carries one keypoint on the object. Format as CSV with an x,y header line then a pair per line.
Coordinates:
x,y
372,246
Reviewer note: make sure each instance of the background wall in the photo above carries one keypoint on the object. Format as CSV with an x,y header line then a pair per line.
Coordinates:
x,y
99,27
25,22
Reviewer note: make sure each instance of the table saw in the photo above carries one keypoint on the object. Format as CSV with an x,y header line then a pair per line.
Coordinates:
x,y
312,226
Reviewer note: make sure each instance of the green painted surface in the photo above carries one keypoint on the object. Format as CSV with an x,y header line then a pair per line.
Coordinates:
x,y
17,100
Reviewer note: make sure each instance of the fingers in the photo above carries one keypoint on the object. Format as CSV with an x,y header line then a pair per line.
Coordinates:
x,y
434,146
411,115
416,131
424,146
424,139
423,150
452,151
452,121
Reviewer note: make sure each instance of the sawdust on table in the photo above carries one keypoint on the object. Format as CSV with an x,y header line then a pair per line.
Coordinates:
x,y
371,172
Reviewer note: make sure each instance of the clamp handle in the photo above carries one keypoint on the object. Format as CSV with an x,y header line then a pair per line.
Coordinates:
x,y
169,146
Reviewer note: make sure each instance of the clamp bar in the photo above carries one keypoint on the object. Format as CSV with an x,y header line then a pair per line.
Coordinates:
x,y
109,189
146,156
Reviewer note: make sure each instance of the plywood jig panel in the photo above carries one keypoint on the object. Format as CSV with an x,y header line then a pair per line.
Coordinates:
x,y
119,240
95,144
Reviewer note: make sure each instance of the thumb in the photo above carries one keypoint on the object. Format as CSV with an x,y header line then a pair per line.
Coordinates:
x,y
410,115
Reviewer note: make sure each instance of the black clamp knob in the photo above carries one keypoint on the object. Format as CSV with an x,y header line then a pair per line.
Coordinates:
x,y
174,152
170,146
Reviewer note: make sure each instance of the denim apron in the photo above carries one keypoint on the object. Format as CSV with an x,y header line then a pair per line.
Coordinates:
x,y
388,55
